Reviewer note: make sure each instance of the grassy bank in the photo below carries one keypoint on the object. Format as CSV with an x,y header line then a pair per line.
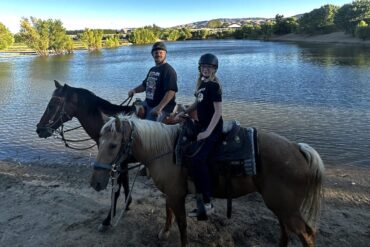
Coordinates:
x,y
23,49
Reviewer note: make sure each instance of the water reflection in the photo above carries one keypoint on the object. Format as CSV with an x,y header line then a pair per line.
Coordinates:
x,y
6,79
51,67
336,54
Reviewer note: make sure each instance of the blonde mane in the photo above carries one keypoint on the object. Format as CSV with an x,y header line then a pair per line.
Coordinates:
x,y
155,137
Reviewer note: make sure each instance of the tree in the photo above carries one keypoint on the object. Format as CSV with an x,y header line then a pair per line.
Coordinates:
x,y
92,39
319,20
363,30
285,25
142,36
267,29
173,35
44,36
350,15
185,33
6,37
214,24
112,42
58,40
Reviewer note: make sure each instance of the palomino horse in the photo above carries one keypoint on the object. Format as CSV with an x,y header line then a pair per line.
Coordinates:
x,y
68,102
289,178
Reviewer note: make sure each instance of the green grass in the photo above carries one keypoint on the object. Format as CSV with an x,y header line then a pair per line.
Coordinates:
x,y
22,47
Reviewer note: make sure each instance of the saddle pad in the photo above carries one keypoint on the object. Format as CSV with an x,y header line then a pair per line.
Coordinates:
x,y
239,148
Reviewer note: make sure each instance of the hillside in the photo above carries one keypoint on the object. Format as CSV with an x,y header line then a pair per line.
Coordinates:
x,y
229,21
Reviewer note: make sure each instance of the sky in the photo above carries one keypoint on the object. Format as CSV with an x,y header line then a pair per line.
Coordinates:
x,y
118,14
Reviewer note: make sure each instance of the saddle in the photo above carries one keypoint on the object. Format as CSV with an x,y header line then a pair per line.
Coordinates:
x,y
235,153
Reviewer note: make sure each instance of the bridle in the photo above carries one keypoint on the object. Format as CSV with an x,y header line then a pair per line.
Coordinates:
x,y
60,131
122,155
62,113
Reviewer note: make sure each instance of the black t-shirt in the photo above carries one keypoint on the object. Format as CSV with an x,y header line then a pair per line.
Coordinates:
x,y
207,94
158,81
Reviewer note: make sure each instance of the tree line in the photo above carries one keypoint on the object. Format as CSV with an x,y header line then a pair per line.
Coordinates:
x,y
49,36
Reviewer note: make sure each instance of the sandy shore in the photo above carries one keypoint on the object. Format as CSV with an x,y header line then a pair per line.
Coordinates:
x,y
337,37
54,206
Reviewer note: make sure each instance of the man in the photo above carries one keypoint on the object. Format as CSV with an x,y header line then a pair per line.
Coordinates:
x,y
160,86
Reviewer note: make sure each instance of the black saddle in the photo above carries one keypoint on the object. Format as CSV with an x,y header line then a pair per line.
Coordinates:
x,y
236,151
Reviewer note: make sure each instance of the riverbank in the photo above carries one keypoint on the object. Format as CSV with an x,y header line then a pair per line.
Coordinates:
x,y
337,37
51,205
19,49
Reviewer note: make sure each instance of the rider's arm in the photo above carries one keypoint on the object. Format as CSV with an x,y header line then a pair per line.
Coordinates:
x,y
138,89
215,118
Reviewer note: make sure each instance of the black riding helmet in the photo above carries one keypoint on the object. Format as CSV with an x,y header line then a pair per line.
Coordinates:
x,y
208,58
159,46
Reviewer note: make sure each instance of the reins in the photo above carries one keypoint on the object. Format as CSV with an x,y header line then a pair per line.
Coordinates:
x,y
115,188
61,132
129,98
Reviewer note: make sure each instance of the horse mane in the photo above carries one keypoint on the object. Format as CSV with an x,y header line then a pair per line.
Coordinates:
x,y
155,137
93,103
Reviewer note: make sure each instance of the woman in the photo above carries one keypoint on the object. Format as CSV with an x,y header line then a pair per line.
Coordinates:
x,y
209,111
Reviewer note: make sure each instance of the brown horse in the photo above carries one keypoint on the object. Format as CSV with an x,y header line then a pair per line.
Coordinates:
x,y
289,178
68,102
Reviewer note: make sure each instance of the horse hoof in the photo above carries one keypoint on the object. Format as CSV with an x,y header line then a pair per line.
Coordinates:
x,y
103,228
163,235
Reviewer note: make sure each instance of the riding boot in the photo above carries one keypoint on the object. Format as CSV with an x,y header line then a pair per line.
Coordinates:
x,y
201,210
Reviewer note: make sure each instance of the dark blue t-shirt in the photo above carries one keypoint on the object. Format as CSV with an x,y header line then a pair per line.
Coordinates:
x,y
207,94
158,81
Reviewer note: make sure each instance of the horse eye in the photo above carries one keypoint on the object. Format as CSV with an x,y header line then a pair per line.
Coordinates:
x,y
112,146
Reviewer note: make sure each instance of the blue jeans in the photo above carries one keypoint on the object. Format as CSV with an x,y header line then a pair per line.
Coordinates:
x,y
150,116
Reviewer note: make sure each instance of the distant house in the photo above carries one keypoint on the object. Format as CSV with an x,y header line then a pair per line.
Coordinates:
x,y
234,26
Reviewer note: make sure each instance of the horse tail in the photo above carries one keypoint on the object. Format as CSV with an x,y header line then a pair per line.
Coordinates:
x,y
314,192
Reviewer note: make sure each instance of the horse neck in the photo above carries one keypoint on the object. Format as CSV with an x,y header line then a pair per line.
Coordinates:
x,y
144,153
91,123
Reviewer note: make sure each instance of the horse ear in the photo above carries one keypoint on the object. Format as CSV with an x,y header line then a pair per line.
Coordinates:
x,y
57,84
105,117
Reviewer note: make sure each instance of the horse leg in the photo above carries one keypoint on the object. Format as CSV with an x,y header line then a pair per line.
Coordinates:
x,y
165,232
284,234
177,204
106,222
295,223
123,180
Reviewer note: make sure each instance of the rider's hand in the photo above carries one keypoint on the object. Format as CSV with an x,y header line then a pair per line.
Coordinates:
x,y
179,115
202,135
131,93
156,111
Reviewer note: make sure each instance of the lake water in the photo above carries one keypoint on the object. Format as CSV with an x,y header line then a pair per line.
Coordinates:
x,y
313,93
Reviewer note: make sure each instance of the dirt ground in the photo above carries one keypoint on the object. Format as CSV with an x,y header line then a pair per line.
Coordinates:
x,y
53,205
